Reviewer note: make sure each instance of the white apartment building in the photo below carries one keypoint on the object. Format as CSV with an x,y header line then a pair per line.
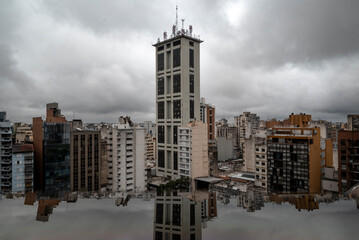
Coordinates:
x,y
5,154
126,152
193,150
246,125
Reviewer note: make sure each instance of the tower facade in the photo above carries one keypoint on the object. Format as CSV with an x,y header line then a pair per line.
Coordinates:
x,y
177,94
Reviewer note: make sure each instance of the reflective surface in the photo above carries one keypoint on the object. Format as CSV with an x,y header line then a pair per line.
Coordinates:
x,y
179,215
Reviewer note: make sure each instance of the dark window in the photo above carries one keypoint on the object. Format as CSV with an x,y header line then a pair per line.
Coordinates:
x,y
161,62
192,215
177,83
161,110
176,57
161,134
191,108
175,160
176,236
159,213
176,215
161,158
160,48
177,109
191,83
193,236
168,45
191,58
175,134
158,236
191,43
176,43
160,86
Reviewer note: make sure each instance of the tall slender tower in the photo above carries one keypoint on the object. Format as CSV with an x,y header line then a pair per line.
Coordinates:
x,y
177,94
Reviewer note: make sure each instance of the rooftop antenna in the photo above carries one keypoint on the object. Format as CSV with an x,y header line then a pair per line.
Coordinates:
x,y
182,23
177,16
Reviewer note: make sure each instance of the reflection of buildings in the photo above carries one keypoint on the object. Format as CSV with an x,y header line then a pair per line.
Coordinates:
x,y
177,217
45,208
250,200
46,205
307,201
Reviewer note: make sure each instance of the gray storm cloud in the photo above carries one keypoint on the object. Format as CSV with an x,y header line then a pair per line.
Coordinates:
x,y
95,58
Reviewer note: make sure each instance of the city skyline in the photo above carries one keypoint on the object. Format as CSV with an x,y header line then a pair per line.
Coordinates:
x,y
270,58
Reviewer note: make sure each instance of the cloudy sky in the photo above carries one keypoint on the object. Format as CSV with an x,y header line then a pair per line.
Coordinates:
x,y
271,57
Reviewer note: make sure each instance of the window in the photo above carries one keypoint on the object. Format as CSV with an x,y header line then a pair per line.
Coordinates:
x,y
176,214
175,160
175,134
191,58
168,59
191,43
160,86
161,62
161,110
192,215
176,43
191,108
177,57
191,83
177,109
159,213
161,134
160,48
177,83
161,158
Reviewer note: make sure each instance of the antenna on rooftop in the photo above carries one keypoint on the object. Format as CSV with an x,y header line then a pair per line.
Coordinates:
x,y
177,16
182,23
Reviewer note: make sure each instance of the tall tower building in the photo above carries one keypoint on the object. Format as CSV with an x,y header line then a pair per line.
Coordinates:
x,y
177,93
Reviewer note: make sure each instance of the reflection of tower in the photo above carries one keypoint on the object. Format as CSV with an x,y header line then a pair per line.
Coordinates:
x,y
250,200
176,217
209,208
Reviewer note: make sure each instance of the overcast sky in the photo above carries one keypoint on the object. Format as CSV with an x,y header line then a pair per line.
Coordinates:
x,y
95,58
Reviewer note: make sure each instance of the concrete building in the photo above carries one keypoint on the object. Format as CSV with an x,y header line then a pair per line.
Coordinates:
x,y
126,152
224,148
208,116
353,122
23,134
295,160
177,217
177,94
5,154
246,125
51,151
300,120
22,168
261,163
193,152
348,157
85,157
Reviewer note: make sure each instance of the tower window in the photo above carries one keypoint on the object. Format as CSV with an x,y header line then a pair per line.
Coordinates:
x,y
161,110
176,57
160,86
177,109
191,83
161,62
160,48
175,134
177,83
191,108
175,160
176,43
191,58
161,134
